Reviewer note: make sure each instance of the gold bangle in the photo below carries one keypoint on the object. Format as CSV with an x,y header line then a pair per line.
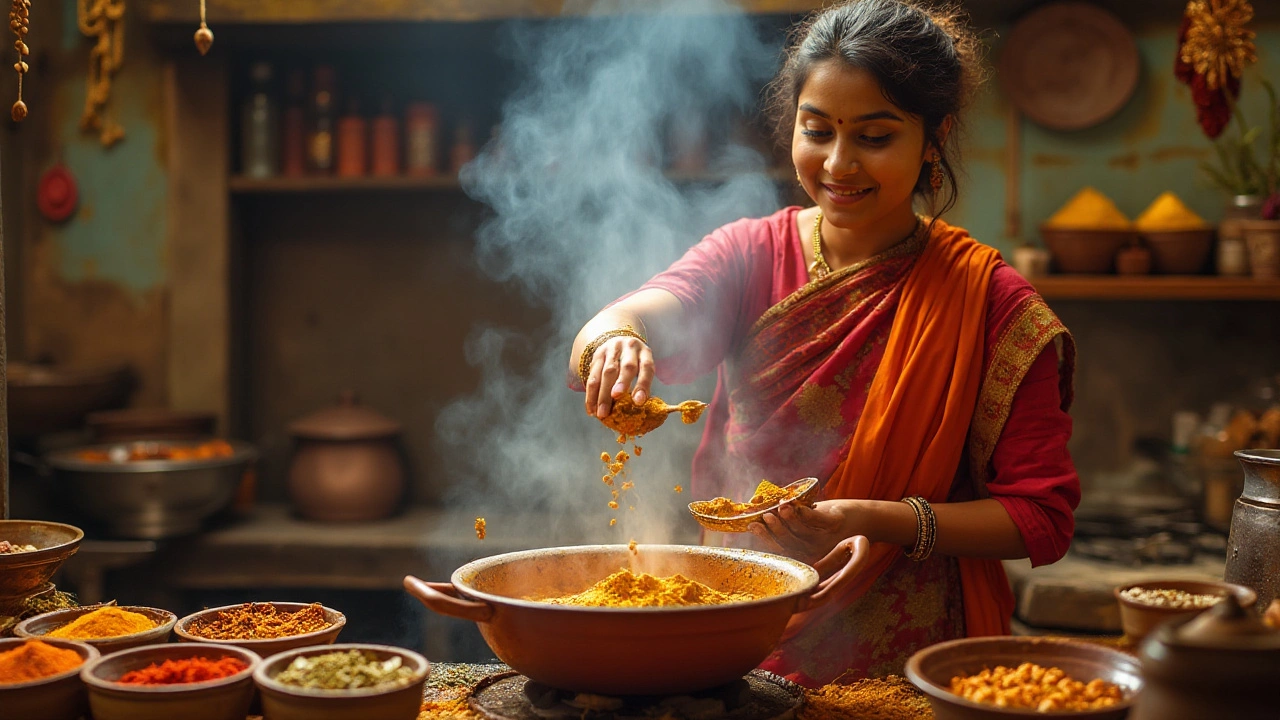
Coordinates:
x,y
926,528
588,352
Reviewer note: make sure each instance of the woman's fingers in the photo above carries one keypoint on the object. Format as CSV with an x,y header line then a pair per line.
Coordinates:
x,y
814,518
628,367
760,531
645,380
608,376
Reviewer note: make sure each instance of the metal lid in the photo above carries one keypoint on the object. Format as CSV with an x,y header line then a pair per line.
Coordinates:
x,y
347,420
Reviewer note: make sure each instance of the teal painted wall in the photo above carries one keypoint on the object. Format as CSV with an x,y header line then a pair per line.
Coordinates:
x,y
1153,144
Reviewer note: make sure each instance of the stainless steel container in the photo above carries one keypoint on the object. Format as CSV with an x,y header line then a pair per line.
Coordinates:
x,y
1253,547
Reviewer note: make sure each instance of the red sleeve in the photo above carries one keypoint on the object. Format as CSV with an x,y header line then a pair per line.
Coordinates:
x,y
1034,477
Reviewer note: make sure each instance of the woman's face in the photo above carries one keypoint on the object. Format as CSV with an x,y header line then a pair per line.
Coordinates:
x,y
858,155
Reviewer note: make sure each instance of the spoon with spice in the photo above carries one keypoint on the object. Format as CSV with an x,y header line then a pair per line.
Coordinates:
x,y
724,515
631,420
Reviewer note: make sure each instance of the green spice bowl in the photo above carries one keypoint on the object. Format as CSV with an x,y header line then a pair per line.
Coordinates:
x,y
226,698
290,702
40,625
265,648
56,697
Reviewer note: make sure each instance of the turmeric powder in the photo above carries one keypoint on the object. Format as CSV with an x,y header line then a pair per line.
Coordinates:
x,y
34,660
106,622
1167,213
766,495
1089,210
627,589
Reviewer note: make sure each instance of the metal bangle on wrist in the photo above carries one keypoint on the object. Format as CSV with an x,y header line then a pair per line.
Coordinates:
x,y
926,528
588,352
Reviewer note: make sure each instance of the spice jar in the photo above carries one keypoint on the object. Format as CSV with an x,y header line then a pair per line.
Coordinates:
x,y
320,140
346,465
386,143
353,150
421,128
294,155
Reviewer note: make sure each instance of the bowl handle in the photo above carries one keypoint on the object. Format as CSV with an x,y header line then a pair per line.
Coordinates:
x,y
443,598
852,552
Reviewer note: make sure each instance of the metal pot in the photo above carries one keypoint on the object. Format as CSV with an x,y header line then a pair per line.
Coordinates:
x,y
1253,547
346,465
150,499
634,651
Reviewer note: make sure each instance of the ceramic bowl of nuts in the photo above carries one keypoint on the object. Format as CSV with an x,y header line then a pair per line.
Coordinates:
x,y
1146,604
1025,677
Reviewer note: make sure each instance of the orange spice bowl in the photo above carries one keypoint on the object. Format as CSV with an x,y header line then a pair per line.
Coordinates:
x,y
56,697
289,702
226,698
40,625
267,646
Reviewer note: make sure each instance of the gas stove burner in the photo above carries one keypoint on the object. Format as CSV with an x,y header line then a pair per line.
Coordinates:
x,y
760,695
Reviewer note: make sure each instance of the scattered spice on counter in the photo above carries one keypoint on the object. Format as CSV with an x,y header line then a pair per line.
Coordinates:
x,y
627,589
34,660
107,621
259,621
888,698
1167,213
1171,599
1030,686
480,528
345,670
184,670
8,548
1089,210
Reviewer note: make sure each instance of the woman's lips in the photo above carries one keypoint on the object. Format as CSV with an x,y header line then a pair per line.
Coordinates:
x,y
844,195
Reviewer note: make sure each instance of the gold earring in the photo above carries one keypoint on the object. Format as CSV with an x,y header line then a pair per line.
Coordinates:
x,y
935,174
798,176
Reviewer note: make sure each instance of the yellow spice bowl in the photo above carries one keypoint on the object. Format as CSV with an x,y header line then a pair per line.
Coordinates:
x,y
270,646
57,697
226,698
288,702
807,489
40,625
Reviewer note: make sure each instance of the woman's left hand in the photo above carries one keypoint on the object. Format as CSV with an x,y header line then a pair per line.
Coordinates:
x,y
804,533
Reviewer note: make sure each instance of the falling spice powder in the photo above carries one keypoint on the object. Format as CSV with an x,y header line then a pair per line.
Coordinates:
x,y
106,622
480,528
259,621
184,670
34,660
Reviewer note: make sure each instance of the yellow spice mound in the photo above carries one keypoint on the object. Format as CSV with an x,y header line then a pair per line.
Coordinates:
x,y
1089,210
767,495
1167,213
105,622
627,589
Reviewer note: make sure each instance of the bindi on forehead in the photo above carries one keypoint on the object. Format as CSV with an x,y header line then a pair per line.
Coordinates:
x,y
839,121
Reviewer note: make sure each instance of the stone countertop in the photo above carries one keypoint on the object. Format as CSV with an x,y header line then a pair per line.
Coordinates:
x,y
1076,593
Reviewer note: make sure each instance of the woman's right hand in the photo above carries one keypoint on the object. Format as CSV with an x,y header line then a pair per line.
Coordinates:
x,y
616,365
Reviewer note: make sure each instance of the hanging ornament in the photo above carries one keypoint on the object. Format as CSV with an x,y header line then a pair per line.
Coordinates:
x,y
57,194
1214,47
104,21
204,36
20,24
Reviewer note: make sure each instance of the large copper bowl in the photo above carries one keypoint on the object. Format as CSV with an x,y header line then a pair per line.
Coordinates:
x,y
633,651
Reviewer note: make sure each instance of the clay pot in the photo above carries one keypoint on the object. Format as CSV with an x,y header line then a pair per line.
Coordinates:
x,y
1134,260
346,466
1263,240
1090,252
1180,252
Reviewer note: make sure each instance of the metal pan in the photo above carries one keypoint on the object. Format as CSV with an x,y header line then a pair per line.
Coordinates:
x,y
635,651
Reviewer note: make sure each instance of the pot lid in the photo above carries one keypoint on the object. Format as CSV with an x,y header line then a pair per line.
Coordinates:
x,y
346,420
1227,625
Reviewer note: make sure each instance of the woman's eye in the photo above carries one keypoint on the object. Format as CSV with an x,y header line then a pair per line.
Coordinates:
x,y
877,139
814,133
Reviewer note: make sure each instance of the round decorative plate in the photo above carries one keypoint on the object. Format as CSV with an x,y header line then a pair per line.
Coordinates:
x,y
1070,65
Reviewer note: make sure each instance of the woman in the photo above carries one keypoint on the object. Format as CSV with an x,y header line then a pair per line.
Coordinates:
x,y
891,356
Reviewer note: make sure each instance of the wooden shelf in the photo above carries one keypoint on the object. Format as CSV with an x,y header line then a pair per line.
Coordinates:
x,y
1155,287
241,185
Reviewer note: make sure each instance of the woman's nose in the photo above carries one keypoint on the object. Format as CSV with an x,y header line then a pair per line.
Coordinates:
x,y
842,162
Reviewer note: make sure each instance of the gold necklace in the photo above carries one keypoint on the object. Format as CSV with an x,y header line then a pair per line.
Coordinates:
x,y
819,267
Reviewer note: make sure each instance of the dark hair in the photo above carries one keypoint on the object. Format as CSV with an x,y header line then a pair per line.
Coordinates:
x,y
927,63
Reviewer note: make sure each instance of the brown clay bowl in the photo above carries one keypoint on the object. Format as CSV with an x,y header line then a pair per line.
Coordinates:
x,y
1139,619
806,491
222,699
48,398
289,702
270,646
1091,252
22,574
932,668
40,625
57,697
633,651
1179,252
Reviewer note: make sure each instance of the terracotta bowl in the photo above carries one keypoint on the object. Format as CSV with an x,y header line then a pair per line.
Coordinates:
x,y
40,625
1091,252
932,668
223,699
1139,619
57,697
22,574
1179,252
288,702
264,648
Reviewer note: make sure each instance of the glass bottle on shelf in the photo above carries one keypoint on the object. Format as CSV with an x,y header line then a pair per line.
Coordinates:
x,y
259,126
385,142
464,149
294,155
320,142
353,142
421,124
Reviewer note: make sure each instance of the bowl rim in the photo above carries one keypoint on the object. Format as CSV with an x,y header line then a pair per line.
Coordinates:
x,y
96,683
1045,227
808,580
88,654
1241,592
339,621
811,488
66,460
936,691
268,682
22,629
1161,234
43,555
